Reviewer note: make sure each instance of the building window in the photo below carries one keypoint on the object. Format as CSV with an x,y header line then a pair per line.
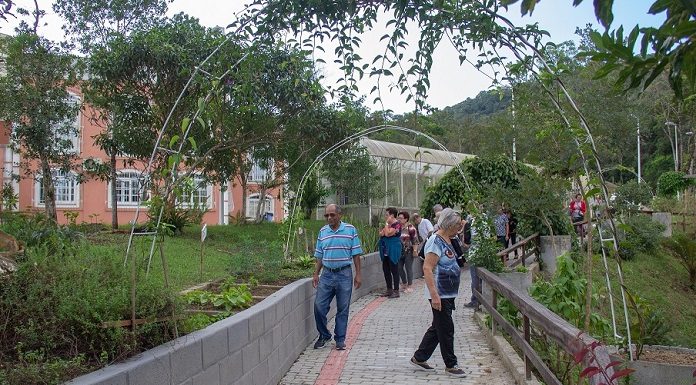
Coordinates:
x,y
253,203
199,194
131,189
258,173
66,186
67,134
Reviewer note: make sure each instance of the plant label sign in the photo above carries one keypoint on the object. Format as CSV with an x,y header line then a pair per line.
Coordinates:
x,y
204,232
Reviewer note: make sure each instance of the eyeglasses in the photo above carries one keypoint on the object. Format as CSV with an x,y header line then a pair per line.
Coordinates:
x,y
329,215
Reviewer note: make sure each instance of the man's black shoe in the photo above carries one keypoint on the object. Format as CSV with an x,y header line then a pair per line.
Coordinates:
x,y
321,342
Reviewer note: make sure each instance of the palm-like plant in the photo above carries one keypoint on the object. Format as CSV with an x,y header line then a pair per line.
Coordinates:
x,y
684,248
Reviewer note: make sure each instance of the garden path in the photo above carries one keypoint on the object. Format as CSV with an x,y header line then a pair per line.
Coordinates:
x,y
382,336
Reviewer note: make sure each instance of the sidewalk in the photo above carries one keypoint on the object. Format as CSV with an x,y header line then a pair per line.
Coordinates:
x,y
382,336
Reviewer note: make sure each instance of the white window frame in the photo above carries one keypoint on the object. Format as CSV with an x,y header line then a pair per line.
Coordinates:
x,y
131,177
187,199
59,176
75,136
259,174
253,201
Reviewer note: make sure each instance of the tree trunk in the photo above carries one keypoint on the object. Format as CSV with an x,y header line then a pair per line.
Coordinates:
x,y
49,189
114,201
243,183
261,205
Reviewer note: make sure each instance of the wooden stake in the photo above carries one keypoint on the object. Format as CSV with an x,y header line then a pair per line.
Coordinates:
x,y
165,272
200,269
133,267
165,268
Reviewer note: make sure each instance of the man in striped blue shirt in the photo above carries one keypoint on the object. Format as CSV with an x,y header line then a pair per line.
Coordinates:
x,y
338,249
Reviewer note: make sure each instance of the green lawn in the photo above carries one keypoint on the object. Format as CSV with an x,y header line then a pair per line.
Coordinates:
x,y
663,282
241,250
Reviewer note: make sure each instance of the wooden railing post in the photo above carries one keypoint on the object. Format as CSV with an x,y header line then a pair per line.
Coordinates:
x,y
494,303
524,253
527,362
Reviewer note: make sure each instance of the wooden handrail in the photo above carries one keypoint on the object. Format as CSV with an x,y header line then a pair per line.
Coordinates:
x,y
519,245
567,336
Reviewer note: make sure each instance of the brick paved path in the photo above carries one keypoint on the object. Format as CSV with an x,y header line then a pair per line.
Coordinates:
x,y
382,336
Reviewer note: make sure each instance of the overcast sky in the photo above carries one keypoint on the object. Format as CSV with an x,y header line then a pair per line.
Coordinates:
x,y
450,82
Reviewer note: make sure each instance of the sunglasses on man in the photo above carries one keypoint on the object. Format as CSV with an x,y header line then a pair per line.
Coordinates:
x,y
329,215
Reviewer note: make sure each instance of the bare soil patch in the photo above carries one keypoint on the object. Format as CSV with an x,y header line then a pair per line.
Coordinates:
x,y
668,357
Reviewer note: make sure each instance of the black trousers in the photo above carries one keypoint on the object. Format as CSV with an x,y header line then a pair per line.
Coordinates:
x,y
391,274
441,332
513,240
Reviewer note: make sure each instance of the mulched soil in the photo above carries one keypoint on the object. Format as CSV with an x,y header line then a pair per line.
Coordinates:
x,y
668,357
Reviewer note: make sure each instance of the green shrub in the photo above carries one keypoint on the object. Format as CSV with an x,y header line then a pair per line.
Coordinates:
x,y
484,249
174,216
54,307
664,204
683,247
630,196
38,230
565,296
642,235
671,182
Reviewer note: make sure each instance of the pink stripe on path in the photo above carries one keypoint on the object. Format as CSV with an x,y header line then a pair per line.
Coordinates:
x,y
333,366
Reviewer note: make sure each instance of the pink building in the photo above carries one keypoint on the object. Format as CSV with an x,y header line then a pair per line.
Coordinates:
x,y
89,200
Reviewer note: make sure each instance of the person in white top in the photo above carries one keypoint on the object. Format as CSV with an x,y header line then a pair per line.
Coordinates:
x,y
425,227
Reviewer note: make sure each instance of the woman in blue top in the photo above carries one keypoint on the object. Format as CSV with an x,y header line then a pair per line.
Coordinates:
x,y
390,252
441,273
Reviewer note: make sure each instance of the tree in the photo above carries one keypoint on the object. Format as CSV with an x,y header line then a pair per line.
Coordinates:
x,y
36,100
100,28
5,9
668,48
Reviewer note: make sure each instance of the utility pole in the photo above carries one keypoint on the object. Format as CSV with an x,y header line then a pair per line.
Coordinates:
x,y
638,141
676,144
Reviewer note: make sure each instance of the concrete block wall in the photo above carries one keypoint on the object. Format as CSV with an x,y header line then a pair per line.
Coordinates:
x,y
256,346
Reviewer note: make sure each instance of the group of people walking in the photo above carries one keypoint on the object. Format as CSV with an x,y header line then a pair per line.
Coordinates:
x,y
338,249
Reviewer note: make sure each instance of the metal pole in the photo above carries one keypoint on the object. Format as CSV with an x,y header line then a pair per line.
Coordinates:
x,y
638,146
514,144
676,148
638,140
676,145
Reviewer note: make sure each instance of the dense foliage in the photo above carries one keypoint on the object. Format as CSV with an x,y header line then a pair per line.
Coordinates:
x,y
641,235
632,195
536,200
54,305
671,183
683,247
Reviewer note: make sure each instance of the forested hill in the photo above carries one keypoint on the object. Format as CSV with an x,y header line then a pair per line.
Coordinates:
x,y
485,103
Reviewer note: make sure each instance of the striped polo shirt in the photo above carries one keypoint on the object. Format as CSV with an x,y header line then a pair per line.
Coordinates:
x,y
337,248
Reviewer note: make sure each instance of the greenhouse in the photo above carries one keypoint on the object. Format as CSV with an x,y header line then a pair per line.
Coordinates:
x,y
405,173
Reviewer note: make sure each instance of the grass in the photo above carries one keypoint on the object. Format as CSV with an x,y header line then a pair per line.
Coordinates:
x,y
252,250
663,282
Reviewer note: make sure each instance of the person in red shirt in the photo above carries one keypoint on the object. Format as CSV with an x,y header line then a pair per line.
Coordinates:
x,y
577,214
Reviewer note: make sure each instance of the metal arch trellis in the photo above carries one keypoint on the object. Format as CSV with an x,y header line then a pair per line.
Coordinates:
x,y
345,141
172,180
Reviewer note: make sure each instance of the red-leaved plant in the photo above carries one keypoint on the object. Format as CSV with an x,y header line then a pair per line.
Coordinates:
x,y
588,355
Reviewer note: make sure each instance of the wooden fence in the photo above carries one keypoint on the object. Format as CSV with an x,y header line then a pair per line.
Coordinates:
x,y
569,338
528,246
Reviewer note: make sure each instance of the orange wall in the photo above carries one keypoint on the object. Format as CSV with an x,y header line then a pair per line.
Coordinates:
x,y
93,203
